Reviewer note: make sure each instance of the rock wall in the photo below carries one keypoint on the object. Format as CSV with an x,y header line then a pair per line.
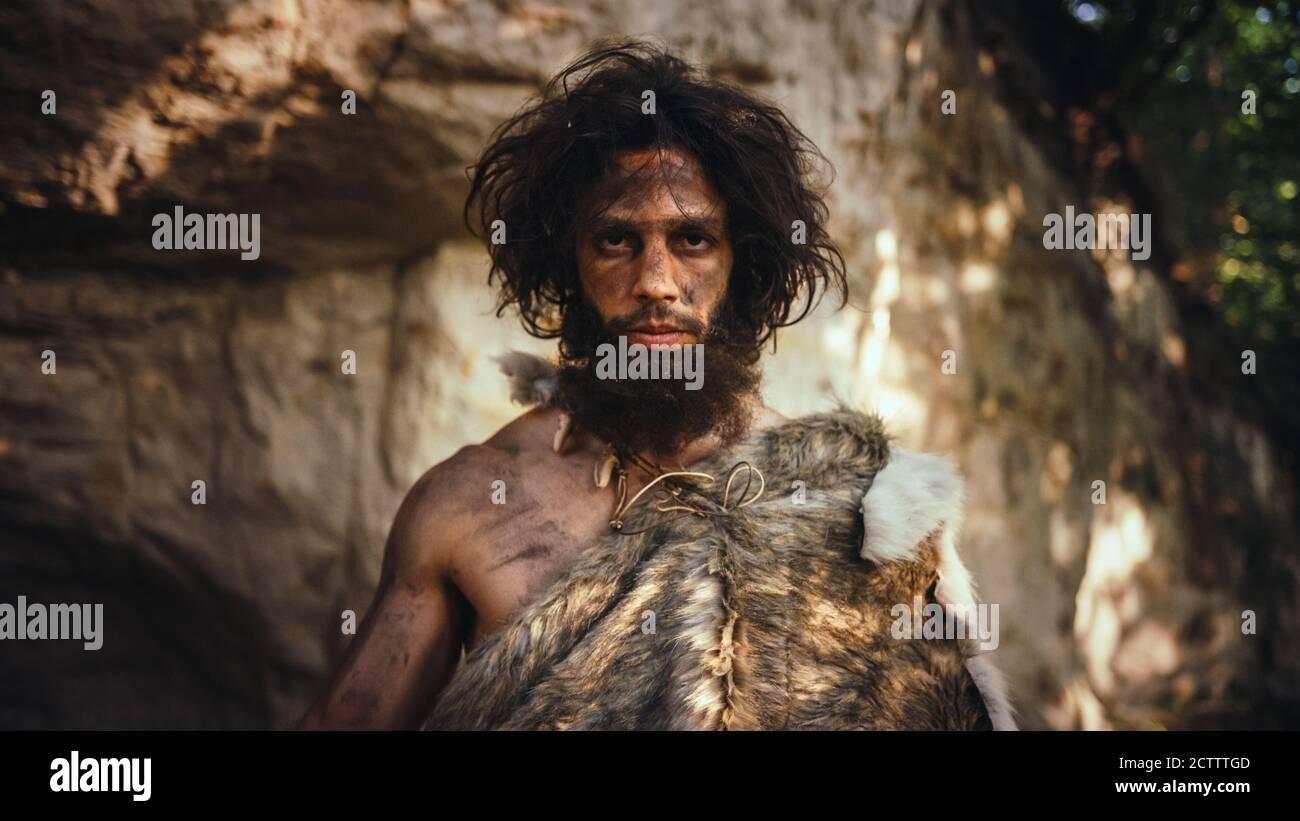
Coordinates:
x,y
176,366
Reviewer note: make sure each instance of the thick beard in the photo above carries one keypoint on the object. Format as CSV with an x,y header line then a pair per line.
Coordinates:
x,y
660,416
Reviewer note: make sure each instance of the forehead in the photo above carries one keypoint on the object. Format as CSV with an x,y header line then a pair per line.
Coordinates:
x,y
652,183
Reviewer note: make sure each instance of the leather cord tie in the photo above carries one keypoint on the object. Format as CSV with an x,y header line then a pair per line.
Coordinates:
x,y
674,494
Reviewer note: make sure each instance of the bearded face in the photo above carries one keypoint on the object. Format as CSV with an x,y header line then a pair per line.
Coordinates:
x,y
654,261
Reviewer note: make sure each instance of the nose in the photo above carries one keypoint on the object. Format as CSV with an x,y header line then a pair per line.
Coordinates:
x,y
656,275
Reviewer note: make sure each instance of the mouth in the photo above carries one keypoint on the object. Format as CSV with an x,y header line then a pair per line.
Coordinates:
x,y
657,335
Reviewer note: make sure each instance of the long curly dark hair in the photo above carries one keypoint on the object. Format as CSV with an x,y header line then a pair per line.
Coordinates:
x,y
539,164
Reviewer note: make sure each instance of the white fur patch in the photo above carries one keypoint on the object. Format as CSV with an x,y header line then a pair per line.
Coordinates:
x,y
956,585
912,496
533,380
915,494
993,687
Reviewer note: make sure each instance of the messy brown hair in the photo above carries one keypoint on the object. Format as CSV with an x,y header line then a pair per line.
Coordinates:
x,y
538,165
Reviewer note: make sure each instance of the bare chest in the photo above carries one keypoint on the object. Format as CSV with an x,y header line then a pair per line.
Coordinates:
x,y
527,541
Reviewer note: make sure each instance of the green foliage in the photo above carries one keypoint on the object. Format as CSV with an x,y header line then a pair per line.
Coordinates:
x,y
1229,180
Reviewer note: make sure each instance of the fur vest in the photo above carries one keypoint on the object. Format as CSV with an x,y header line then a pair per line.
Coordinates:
x,y
776,615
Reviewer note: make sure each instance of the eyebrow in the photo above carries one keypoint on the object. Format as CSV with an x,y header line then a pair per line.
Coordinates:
x,y
679,224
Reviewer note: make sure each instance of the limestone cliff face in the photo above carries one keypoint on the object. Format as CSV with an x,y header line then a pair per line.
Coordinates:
x,y
1062,369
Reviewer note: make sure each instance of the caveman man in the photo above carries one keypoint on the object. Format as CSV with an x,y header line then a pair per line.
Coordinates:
x,y
651,567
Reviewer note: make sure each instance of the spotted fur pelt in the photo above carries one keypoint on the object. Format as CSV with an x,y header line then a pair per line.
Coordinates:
x,y
775,616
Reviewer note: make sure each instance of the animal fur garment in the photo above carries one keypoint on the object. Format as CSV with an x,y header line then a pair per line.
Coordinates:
x,y
773,616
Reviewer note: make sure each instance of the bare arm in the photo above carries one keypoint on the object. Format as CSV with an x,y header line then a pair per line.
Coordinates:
x,y
409,642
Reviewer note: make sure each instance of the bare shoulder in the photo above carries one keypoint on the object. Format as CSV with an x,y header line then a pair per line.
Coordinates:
x,y
768,418
529,432
444,505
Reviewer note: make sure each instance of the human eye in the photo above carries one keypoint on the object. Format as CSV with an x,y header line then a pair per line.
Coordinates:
x,y
613,242
696,241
